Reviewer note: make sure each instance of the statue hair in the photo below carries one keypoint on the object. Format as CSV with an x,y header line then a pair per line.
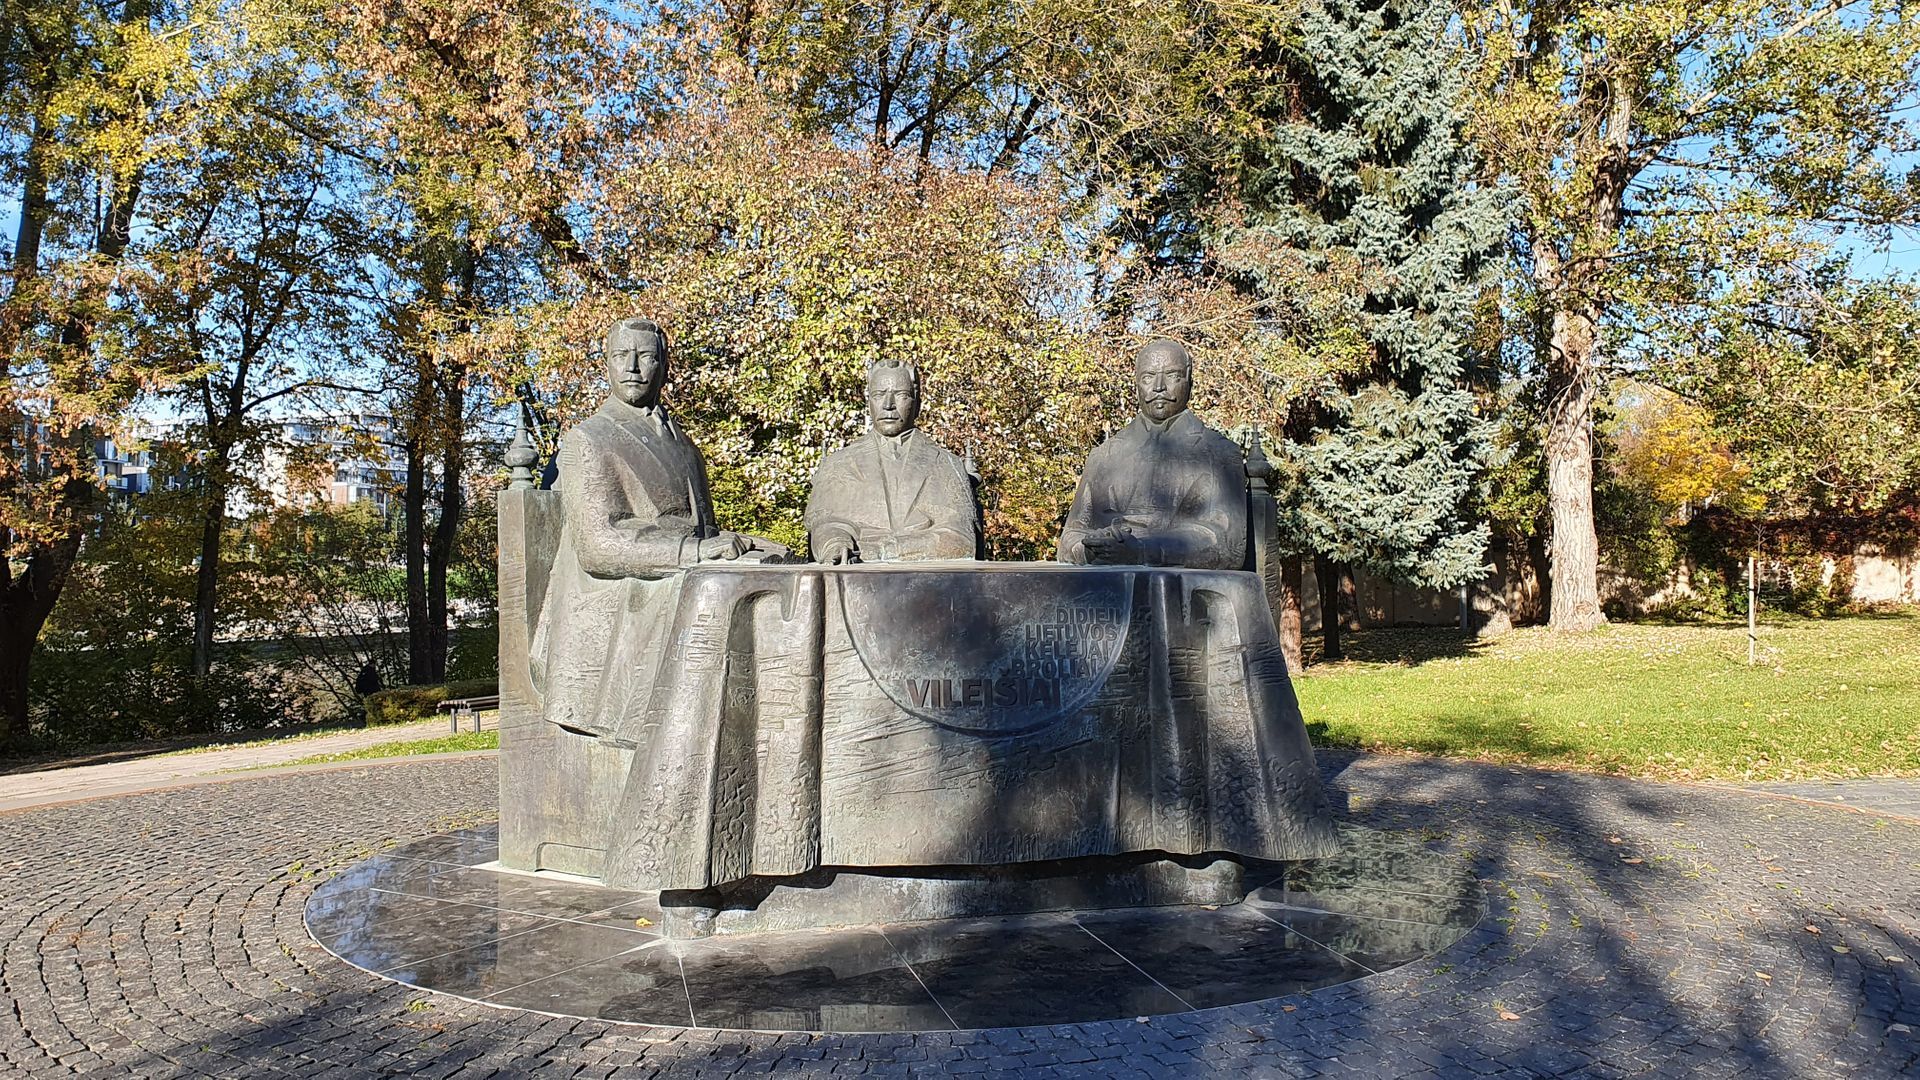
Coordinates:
x,y
638,326
1164,345
894,365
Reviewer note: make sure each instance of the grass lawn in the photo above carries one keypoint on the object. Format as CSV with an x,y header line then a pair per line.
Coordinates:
x,y
1827,698
465,740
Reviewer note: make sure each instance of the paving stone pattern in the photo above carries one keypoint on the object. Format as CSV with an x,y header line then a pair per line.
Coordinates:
x,y
1634,929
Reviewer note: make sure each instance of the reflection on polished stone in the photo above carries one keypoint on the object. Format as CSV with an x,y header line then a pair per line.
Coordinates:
x,y
451,923
1221,957
850,980
1032,969
642,986
425,929
461,850
1374,944
551,947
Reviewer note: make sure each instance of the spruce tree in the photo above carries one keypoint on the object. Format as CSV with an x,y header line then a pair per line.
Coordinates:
x,y
1367,184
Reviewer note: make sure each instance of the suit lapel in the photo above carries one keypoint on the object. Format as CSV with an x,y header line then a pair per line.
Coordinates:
x,y
694,483
880,474
918,461
632,438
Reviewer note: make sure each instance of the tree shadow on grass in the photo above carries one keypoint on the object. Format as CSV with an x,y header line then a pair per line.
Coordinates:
x,y
1482,732
1409,646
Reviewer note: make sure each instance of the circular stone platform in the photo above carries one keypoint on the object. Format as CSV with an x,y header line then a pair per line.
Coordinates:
x,y
440,915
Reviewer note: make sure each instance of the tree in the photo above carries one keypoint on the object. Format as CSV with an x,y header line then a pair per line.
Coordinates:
x,y
89,89
1335,285
782,263
1374,169
1659,146
251,247
1812,390
482,123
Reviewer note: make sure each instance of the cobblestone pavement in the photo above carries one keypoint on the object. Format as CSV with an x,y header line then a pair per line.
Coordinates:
x,y
1900,797
1635,929
18,790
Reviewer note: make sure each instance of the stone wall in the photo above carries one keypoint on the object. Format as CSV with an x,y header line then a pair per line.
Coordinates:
x,y
1513,594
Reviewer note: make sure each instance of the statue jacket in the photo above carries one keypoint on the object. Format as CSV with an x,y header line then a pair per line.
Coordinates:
x,y
906,500
1178,488
635,503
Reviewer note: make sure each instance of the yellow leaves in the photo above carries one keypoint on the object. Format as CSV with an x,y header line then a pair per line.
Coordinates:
x,y
1670,448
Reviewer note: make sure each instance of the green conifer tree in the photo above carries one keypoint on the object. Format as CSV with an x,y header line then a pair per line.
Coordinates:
x,y
1366,184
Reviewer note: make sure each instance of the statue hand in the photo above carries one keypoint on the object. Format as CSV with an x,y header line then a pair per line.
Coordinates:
x,y
838,552
725,546
1109,546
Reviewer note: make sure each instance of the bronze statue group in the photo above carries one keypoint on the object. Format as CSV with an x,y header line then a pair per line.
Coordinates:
x,y
1165,490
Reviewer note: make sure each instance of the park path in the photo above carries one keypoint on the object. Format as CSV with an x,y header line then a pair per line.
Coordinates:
x,y
80,782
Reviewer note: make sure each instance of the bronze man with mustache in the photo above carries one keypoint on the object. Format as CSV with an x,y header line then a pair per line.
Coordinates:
x,y
1166,490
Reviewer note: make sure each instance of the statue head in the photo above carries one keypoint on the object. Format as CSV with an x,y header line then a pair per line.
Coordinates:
x,y
1162,379
636,361
893,396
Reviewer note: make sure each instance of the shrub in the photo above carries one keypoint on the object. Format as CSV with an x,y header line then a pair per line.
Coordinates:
x,y
405,704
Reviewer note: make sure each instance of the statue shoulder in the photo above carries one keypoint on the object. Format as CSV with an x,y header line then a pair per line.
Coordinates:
x,y
840,458
939,452
1117,444
1216,442
592,430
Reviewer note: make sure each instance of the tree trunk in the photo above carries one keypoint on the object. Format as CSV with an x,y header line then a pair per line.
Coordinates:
x,y
1572,354
1327,577
446,530
30,583
414,510
1349,597
26,599
207,580
1292,581
16,658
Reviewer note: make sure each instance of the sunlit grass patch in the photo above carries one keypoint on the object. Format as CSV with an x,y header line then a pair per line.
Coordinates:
x,y
1828,698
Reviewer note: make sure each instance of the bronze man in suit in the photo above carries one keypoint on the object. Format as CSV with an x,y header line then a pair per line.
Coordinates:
x,y
633,488
1165,490
893,493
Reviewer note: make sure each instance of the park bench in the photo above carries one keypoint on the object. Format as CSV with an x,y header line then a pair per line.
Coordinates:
x,y
458,709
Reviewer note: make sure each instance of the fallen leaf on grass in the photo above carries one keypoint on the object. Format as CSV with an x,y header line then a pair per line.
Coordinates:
x,y
1764,975
1841,949
643,922
1613,840
1631,862
1286,1008
1508,1015
1812,929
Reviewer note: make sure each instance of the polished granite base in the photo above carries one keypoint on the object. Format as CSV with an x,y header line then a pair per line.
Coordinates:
x,y
433,914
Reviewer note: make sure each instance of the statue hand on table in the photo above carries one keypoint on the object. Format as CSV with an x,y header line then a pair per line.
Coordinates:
x,y
838,551
728,545
1111,546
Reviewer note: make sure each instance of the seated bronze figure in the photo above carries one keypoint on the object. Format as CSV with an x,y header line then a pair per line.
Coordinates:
x,y
1165,490
893,493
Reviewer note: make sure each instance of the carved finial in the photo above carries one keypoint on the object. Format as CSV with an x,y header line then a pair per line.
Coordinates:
x,y
1259,469
521,455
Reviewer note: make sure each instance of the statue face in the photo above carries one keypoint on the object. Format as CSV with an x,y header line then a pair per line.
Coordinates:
x,y
636,368
1162,383
892,400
